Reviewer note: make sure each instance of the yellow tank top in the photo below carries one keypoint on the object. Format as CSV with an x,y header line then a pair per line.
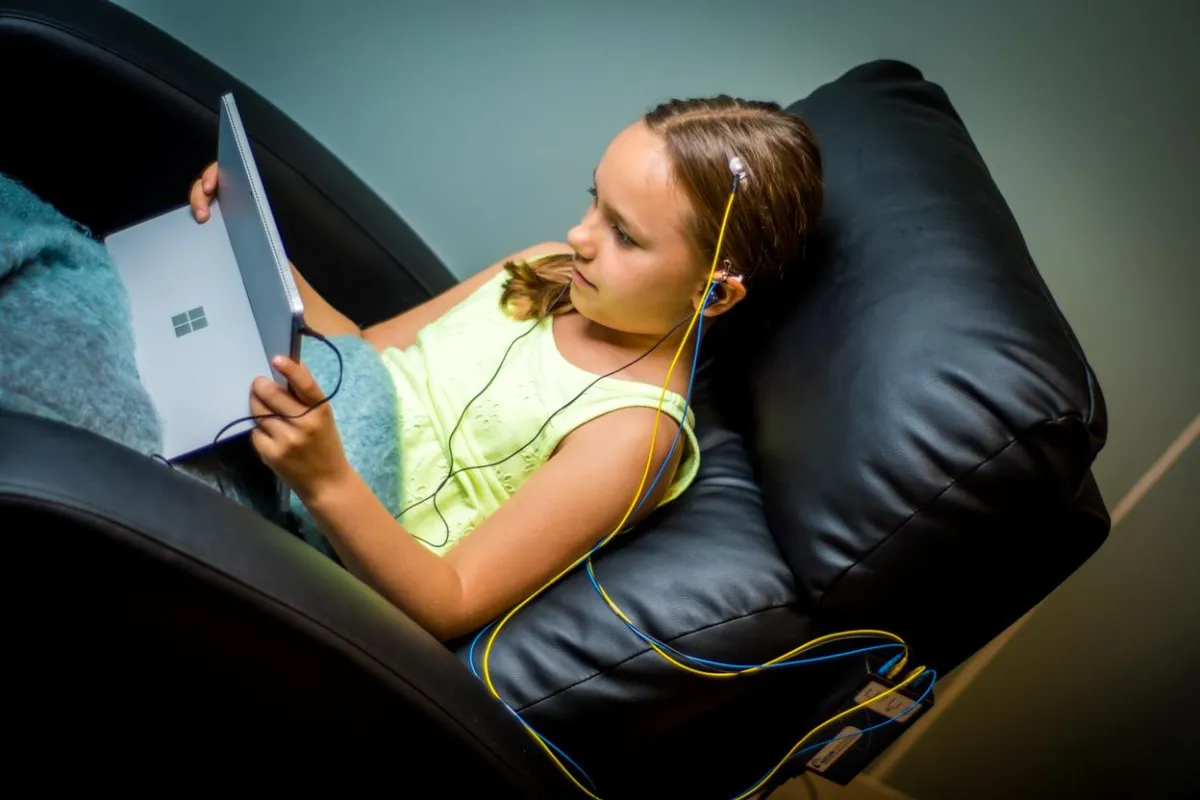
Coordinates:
x,y
450,362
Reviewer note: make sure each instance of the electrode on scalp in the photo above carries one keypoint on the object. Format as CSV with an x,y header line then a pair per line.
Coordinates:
x,y
737,168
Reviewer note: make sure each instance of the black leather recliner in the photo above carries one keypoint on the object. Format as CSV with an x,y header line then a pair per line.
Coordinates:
x,y
906,446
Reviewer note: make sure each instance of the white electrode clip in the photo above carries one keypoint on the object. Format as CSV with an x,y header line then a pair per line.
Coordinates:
x,y
738,169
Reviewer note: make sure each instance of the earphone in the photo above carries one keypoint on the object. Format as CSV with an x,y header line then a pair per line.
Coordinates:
x,y
713,294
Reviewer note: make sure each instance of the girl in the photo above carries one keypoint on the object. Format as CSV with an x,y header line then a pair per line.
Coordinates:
x,y
526,414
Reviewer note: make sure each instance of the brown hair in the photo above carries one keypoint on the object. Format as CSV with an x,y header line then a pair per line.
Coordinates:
x,y
771,219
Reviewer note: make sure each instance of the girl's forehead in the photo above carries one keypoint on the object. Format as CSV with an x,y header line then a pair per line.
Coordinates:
x,y
636,182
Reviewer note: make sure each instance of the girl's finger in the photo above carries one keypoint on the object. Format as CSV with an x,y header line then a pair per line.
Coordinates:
x,y
199,202
209,178
272,426
302,381
276,398
266,447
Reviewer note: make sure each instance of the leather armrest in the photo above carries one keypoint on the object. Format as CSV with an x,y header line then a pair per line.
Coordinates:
x,y
67,495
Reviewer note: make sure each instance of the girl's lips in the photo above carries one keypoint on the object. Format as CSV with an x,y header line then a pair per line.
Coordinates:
x,y
577,276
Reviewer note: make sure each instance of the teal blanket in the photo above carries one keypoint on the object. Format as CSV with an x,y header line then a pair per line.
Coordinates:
x,y
66,343
67,353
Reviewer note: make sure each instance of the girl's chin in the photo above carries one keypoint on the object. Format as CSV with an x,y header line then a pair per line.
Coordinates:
x,y
581,304
577,293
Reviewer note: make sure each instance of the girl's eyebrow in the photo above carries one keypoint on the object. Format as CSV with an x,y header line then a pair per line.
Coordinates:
x,y
633,230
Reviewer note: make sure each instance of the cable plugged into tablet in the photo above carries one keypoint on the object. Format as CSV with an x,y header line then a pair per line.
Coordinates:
x,y
304,331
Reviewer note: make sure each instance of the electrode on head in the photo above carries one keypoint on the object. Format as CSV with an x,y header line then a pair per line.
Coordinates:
x,y
737,168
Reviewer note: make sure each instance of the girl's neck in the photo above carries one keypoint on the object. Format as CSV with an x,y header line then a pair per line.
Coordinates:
x,y
634,344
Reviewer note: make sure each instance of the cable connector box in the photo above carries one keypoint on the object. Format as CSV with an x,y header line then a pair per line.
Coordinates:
x,y
859,738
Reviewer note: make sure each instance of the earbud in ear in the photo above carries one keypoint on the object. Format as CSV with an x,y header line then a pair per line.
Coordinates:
x,y
713,294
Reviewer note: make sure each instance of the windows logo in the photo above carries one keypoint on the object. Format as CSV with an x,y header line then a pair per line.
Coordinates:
x,y
189,321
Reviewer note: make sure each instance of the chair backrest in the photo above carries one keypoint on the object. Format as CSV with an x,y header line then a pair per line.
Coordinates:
x,y
140,112
925,419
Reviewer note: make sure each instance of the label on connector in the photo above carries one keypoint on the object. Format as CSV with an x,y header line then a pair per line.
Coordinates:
x,y
895,706
828,755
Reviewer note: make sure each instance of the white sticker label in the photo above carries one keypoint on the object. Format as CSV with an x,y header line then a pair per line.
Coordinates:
x,y
894,706
828,755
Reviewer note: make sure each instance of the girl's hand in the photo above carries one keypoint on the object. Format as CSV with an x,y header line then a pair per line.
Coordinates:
x,y
201,195
306,452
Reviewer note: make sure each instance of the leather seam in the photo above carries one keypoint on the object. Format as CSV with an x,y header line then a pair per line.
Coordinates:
x,y
924,507
1064,328
640,653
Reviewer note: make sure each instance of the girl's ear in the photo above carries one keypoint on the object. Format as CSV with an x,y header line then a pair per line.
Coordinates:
x,y
726,294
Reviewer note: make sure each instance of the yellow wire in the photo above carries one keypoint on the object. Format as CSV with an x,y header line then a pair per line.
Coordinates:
x,y
562,767
894,671
487,676
912,676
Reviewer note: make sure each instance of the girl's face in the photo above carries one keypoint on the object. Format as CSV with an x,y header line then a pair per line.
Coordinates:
x,y
634,270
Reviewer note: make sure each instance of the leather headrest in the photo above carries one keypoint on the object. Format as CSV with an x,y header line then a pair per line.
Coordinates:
x,y
921,404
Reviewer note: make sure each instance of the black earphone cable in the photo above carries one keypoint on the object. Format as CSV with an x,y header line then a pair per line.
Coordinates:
x,y
455,471
450,439
304,331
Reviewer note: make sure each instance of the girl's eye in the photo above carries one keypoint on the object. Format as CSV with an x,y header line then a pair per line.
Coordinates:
x,y
622,237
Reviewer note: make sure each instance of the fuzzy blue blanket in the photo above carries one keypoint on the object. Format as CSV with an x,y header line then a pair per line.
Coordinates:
x,y
67,353
66,344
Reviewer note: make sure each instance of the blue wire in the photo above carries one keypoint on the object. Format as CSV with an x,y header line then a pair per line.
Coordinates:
x,y
513,711
647,637
687,403
741,667
483,630
726,665
886,668
876,726
696,659
553,747
471,650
